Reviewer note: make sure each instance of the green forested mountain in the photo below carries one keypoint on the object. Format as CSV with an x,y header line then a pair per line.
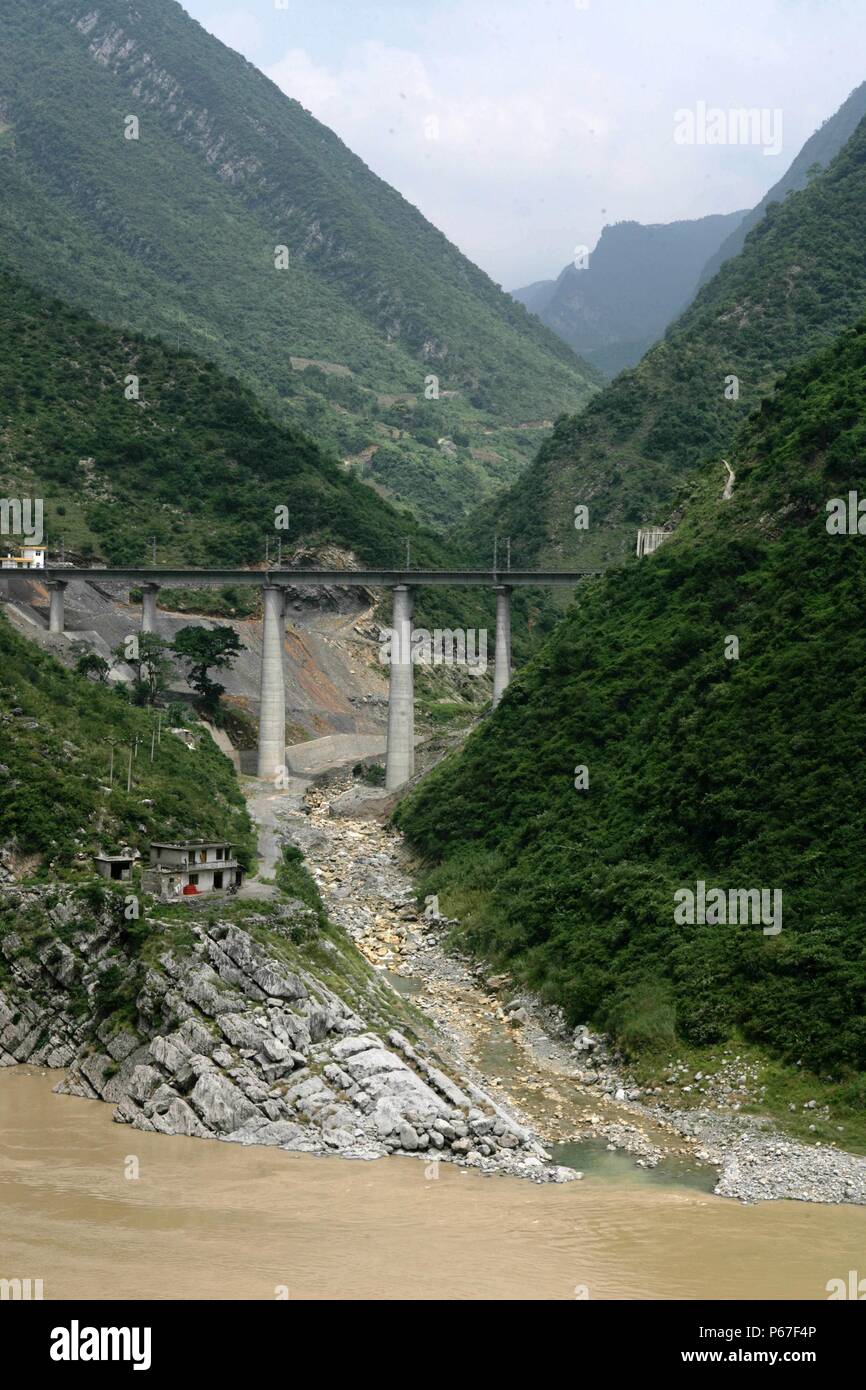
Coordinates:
x,y
637,279
800,279
196,461
739,767
57,800
639,276
818,151
175,233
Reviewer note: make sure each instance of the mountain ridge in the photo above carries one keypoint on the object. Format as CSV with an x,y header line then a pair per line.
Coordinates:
x,y
226,169
820,149
639,276
799,281
713,696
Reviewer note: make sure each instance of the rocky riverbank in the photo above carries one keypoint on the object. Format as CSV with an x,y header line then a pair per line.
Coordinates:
x,y
255,1024
567,1084
370,1035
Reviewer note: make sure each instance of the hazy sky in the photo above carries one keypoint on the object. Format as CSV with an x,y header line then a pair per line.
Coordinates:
x,y
519,127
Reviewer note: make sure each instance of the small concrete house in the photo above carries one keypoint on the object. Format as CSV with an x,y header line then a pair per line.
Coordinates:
x,y
117,867
191,867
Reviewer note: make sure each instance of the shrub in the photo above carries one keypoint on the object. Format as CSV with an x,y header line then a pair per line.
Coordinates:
x,y
643,1018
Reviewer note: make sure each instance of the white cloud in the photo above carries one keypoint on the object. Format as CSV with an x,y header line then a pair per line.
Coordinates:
x,y
550,121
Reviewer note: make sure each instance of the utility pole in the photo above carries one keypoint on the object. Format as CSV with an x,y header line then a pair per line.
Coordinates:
x,y
408,553
152,743
495,552
111,766
279,552
129,771
153,549
159,727
508,553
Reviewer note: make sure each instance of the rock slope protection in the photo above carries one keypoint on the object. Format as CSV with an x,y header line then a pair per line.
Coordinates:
x,y
736,765
799,281
176,233
334,681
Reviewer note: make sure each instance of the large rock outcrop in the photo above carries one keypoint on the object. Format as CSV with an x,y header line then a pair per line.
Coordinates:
x,y
226,1033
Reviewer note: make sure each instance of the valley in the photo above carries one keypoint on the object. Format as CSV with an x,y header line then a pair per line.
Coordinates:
x,y
240,230
431,718
628,1231
575,1089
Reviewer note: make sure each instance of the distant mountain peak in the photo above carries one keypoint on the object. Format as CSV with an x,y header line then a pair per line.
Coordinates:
x,y
639,277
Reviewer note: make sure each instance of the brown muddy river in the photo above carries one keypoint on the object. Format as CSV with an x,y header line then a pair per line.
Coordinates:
x,y
210,1220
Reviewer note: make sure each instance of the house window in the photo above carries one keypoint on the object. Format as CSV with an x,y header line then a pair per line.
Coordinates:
x,y
193,878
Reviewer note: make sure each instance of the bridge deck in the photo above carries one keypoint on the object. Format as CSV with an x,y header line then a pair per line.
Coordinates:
x,y
309,577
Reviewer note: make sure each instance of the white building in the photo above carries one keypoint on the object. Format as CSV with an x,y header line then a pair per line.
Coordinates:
x,y
27,557
191,867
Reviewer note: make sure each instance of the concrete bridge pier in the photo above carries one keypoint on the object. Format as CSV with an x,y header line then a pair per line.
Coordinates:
x,y
148,606
56,611
272,706
502,666
400,754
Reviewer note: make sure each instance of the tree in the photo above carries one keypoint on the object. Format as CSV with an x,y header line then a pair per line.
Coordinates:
x,y
176,713
93,666
204,649
146,654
